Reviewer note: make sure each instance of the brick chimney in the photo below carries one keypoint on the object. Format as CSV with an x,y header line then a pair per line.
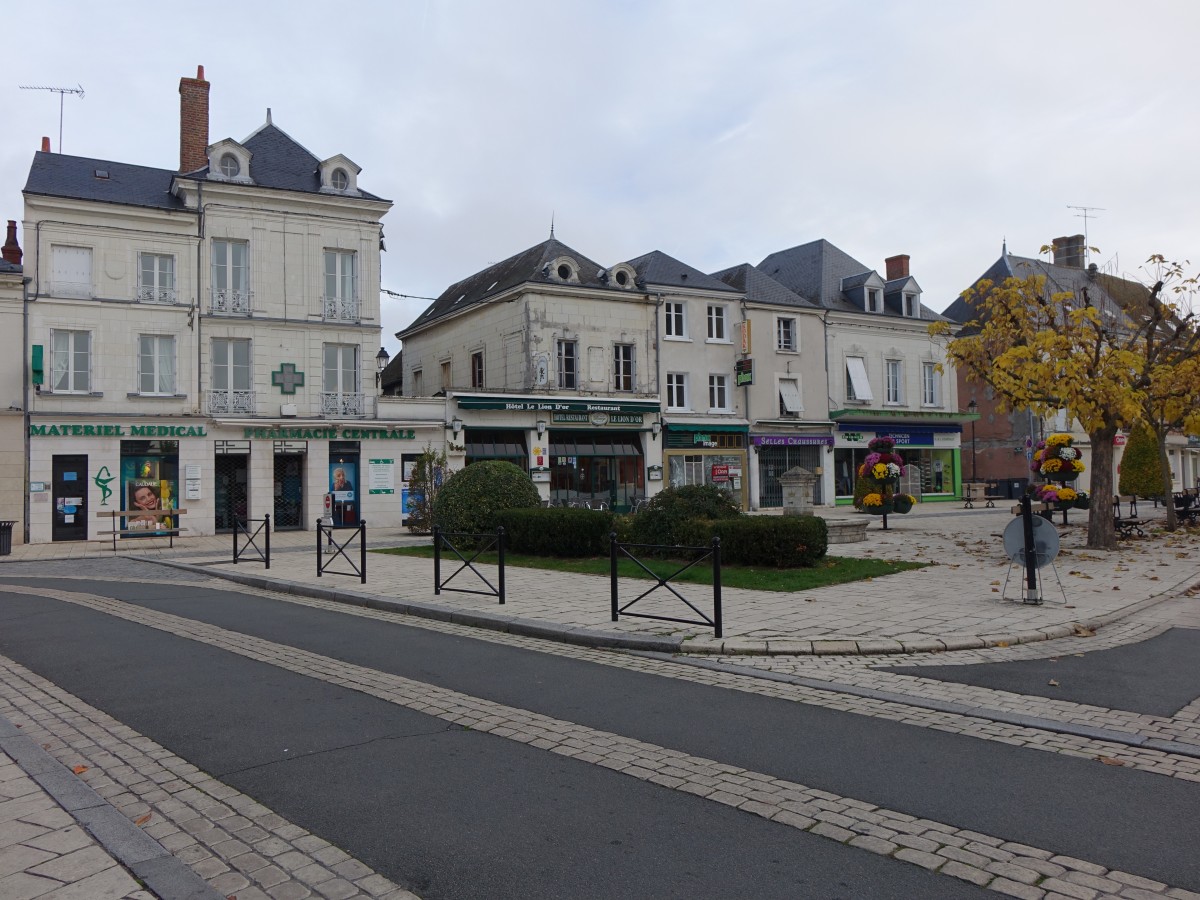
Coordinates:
x,y
1070,251
45,144
897,266
193,122
11,251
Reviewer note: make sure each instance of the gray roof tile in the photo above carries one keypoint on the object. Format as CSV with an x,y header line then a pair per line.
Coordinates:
x,y
760,287
658,269
56,175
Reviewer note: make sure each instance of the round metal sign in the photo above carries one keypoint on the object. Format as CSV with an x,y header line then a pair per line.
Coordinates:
x,y
1045,541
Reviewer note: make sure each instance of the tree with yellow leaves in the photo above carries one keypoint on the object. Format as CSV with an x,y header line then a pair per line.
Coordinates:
x,y
1049,352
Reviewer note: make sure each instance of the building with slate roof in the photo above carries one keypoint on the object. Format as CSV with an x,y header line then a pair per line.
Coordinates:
x,y
547,359
1003,440
883,368
206,336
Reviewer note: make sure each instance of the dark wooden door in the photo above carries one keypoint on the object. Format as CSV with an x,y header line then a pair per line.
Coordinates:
x,y
69,493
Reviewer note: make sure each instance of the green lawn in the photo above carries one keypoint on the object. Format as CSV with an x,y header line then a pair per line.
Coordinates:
x,y
831,570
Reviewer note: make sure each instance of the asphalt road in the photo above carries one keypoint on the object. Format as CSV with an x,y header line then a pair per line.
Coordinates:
x,y
454,813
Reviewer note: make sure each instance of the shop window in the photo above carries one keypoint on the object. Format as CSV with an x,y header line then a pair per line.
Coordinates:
x,y
149,483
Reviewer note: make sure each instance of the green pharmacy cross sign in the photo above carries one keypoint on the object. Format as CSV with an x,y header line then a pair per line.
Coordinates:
x,y
287,379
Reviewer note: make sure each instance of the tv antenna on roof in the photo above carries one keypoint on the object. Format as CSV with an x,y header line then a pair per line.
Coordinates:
x,y
1084,214
62,92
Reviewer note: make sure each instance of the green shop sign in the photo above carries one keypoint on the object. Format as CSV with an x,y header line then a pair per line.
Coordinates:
x,y
145,431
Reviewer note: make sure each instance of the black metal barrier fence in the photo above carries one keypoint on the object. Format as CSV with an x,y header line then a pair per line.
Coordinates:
x,y
617,549
264,529
483,542
339,549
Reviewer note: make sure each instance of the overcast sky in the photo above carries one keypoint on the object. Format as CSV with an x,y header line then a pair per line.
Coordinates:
x,y
716,132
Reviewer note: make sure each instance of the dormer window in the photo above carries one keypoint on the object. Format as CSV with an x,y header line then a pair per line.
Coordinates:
x,y
622,276
230,167
874,300
563,269
339,175
910,305
340,180
229,161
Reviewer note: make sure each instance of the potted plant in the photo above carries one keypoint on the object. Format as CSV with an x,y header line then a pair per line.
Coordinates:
x,y
877,505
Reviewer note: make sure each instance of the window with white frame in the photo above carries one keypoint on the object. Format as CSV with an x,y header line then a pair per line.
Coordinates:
x,y
340,370
477,369
156,364
156,278
785,335
718,393
874,300
341,285
71,362
624,370
231,364
231,277
789,397
858,386
568,364
71,271
677,390
717,330
676,319
230,167
931,385
910,306
895,380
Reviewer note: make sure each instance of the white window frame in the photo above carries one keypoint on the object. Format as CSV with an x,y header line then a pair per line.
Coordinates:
x,y
160,286
334,379
568,375
894,381
676,324
718,393
70,364
786,326
341,285
230,296
677,391
791,400
232,370
911,307
478,370
718,324
75,289
159,365
858,385
874,300
931,385
624,367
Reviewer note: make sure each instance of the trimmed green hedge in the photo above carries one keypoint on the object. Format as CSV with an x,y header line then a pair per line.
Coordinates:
x,y
666,518
557,532
780,542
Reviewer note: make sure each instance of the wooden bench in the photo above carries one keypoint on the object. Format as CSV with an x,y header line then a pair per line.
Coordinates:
x,y
974,491
159,514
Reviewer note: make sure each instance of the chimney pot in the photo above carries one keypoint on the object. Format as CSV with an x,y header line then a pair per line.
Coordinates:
x,y
897,266
11,252
45,144
193,122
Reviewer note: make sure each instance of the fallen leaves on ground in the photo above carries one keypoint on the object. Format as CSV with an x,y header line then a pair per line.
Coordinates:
x,y
142,820
79,770
1110,761
1083,631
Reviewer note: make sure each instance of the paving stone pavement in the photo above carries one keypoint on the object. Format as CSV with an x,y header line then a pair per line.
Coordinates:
x,y
199,805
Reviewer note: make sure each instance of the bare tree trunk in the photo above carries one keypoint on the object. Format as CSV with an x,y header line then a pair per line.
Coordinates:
x,y
1164,464
1102,531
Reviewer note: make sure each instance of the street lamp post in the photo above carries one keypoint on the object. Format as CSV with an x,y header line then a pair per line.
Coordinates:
x,y
972,407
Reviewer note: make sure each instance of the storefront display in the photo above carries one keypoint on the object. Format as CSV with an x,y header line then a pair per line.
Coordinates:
x,y
149,483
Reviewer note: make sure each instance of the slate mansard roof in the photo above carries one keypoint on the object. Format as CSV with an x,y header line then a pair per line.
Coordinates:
x,y
760,287
658,269
278,163
1117,295
821,271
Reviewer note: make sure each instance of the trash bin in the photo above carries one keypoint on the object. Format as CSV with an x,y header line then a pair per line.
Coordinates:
x,y
1017,487
6,538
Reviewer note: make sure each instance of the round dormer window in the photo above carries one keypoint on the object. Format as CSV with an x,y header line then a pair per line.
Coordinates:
x,y
564,272
340,180
230,167
622,278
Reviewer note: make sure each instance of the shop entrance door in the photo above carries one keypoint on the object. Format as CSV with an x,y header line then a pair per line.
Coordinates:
x,y
230,490
289,492
69,494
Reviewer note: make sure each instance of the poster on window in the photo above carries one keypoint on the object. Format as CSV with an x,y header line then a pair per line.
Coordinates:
x,y
146,493
343,480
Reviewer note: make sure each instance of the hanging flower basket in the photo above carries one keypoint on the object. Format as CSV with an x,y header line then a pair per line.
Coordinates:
x,y
903,503
1083,501
881,509
1056,459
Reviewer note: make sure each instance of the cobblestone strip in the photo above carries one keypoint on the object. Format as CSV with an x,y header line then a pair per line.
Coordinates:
x,y
236,845
1006,867
43,849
